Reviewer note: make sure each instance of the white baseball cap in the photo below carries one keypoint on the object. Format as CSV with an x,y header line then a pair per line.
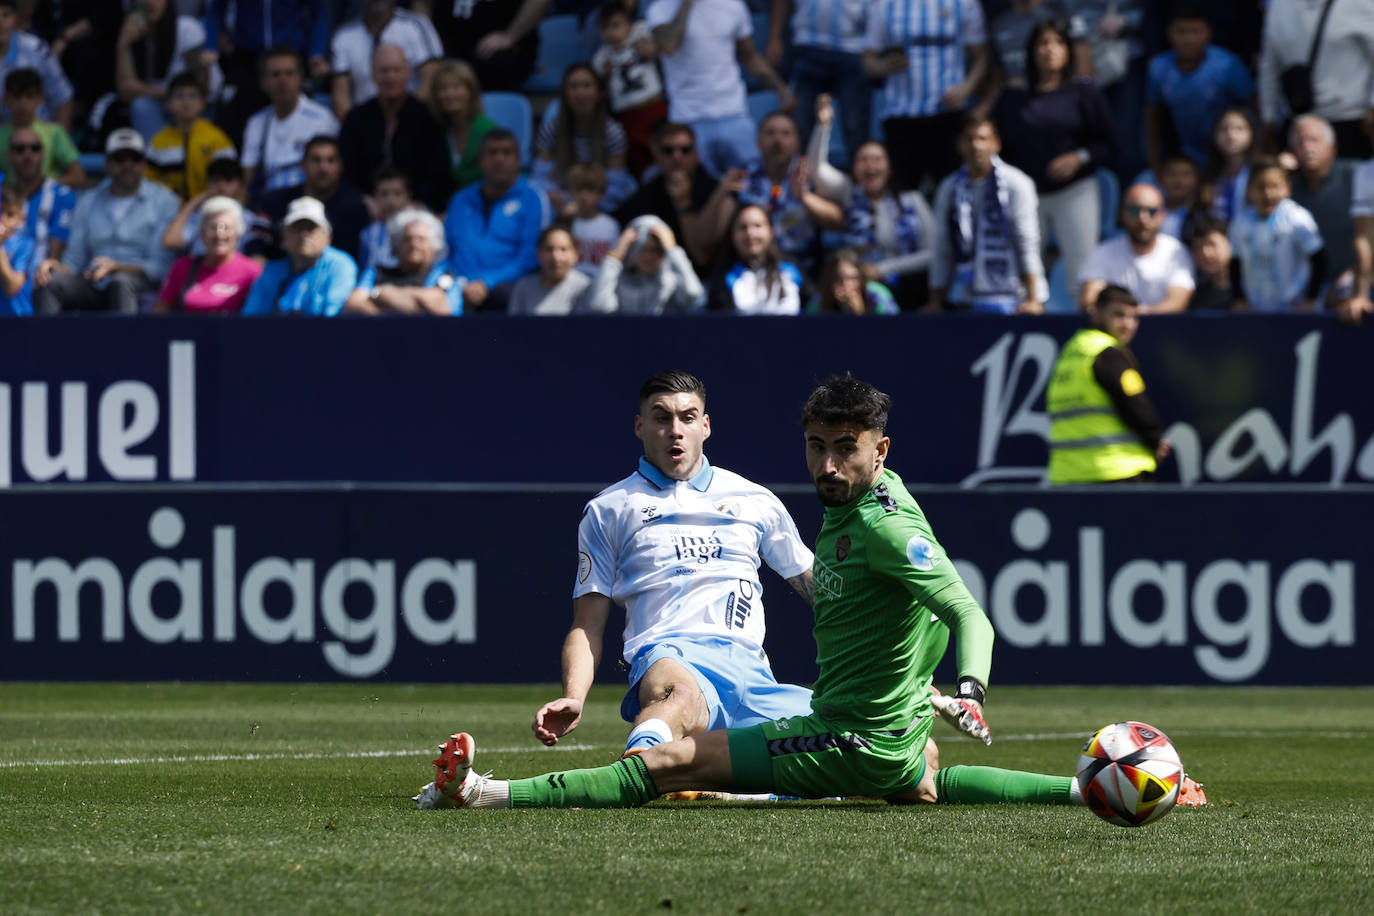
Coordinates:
x,y
306,209
122,140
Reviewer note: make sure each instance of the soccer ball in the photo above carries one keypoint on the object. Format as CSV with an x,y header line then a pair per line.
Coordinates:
x,y
1130,774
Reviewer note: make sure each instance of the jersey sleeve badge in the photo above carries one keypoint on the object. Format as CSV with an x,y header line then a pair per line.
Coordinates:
x,y
584,566
921,553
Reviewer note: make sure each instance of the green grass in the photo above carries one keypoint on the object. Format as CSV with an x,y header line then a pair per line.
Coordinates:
x,y
209,799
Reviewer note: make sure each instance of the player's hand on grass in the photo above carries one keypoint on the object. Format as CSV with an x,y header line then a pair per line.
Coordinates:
x,y
556,719
964,714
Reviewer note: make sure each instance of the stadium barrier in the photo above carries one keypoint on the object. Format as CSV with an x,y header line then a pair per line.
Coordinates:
x,y
493,399
1165,585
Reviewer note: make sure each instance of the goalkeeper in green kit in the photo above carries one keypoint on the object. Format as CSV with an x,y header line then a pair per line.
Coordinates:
x,y
885,592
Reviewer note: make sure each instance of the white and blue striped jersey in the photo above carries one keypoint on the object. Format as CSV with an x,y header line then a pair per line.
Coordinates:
x,y
28,51
277,145
682,556
838,25
1274,254
933,34
50,216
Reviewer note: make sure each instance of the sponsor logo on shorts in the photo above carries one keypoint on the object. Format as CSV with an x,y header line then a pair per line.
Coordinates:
x,y
827,581
921,553
842,548
584,566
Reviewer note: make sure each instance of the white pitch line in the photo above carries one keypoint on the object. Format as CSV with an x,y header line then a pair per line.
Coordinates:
x,y
360,755
237,758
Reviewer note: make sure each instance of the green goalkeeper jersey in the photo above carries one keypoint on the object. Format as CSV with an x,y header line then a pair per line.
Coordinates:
x,y
879,576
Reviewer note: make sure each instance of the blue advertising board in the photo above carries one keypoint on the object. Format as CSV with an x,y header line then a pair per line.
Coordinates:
x,y
550,400
472,584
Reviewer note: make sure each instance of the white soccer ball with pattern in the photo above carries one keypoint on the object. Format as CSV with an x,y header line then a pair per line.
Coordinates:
x,y
1130,774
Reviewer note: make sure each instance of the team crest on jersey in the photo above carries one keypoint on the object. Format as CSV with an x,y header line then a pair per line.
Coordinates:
x,y
842,548
584,566
730,508
921,553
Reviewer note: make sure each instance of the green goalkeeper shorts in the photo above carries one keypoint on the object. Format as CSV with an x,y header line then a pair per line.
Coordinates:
x,y
809,757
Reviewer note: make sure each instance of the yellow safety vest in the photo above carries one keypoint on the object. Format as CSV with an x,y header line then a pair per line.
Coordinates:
x,y
1088,441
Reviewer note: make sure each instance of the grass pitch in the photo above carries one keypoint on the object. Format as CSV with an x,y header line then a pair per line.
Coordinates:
x,y
282,799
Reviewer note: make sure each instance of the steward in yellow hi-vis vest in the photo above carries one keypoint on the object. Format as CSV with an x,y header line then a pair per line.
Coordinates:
x,y
1103,426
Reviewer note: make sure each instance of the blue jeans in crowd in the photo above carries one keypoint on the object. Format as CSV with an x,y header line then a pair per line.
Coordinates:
x,y
818,70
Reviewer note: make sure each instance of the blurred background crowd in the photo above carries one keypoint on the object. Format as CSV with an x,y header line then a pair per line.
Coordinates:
x,y
764,157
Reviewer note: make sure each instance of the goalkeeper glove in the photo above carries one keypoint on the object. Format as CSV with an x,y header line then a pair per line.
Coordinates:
x,y
964,713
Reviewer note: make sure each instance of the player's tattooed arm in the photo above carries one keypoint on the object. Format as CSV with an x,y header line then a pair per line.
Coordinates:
x,y
804,586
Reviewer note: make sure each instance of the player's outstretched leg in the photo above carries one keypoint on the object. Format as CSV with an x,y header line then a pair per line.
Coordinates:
x,y
623,784
966,785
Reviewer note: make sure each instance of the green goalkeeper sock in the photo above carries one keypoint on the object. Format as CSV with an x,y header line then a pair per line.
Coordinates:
x,y
962,785
624,784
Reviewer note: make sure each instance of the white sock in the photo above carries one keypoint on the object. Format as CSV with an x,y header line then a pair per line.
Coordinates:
x,y
1075,794
648,733
488,793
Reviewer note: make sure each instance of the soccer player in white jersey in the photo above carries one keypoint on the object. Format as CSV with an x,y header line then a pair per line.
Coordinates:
x,y
678,544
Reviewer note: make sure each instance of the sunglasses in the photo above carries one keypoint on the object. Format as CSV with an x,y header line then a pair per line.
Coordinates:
x,y
1135,211
682,149
124,158
26,147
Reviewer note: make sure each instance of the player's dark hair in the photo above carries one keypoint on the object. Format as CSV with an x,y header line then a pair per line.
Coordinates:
x,y
225,169
778,114
665,129
843,400
674,381
24,81
187,79
1263,164
611,10
1114,295
550,230
1177,159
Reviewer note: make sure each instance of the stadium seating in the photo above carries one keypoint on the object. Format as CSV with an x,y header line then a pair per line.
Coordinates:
x,y
560,45
1109,192
512,111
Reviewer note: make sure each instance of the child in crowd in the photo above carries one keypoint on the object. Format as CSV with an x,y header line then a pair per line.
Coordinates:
x,y
647,273
1192,84
594,232
223,178
1215,272
1282,264
626,61
180,153
559,287
1226,174
846,287
391,191
1177,179
16,256
24,98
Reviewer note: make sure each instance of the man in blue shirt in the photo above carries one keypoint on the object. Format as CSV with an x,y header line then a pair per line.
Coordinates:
x,y
493,226
115,253
1194,83
314,278
49,202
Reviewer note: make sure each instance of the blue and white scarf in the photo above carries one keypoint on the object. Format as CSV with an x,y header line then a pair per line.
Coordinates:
x,y
985,261
860,222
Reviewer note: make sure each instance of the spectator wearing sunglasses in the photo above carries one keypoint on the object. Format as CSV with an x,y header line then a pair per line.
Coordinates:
x,y
1156,268
115,253
684,195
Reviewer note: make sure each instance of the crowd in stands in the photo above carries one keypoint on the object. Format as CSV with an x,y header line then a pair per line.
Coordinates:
x,y
776,157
